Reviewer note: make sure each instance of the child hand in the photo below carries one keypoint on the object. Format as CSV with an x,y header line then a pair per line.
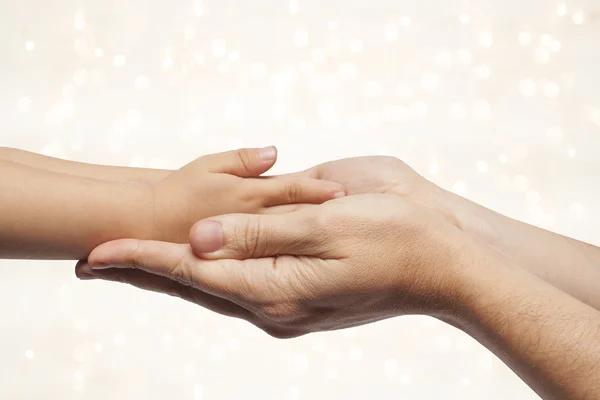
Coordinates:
x,y
225,183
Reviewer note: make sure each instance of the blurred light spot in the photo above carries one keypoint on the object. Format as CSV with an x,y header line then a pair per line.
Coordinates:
x,y
189,33
483,72
486,39
318,55
348,71
390,33
307,67
29,354
356,46
527,87
390,366
405,379
551,89
294,7
430,82
198,8
301,38
464,57
405,21
258,70
218,48
167,63
524,38
482,166
444,59
142,82
554,135
119,339
119,60
541,55
373,89
419,109
79,21
482,110
198,392
458,111
434,169
80,78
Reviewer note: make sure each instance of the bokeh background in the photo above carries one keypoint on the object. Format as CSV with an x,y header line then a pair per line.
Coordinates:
x,y
498,101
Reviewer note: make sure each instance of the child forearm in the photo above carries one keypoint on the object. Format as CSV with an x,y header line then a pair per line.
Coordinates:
x,y
81,169
48,215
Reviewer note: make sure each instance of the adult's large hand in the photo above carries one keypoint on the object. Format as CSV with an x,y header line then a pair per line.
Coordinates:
x,y
347,262
390,175
567,264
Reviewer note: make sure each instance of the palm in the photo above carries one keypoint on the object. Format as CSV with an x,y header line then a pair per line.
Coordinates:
x,y
376,174
384,175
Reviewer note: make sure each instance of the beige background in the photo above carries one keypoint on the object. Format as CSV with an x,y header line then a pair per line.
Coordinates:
x,y
496,100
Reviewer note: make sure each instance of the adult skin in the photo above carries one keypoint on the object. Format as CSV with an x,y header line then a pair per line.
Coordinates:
x,y
570,265
365,258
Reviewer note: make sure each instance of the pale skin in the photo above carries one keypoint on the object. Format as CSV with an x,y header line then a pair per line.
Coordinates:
x,y
408,248
55,209
527,294
365,258
568,264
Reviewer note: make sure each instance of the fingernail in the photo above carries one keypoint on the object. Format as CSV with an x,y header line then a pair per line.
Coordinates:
x,y
267,153
207,236
101,266
337,195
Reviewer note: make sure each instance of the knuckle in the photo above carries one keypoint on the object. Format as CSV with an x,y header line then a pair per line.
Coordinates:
x,y
293,192
319,222
244,158
280,313
280,333
392,161
180,271
249,238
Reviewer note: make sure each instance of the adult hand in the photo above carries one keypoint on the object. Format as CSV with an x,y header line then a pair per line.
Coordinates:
x,y
347,262
389,175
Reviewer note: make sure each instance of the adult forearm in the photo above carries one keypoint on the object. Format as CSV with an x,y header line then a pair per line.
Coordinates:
x,y
47,215
567,264
547,337
82,169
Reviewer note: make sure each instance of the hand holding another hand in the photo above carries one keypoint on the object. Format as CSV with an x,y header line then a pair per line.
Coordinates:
x,y
347,262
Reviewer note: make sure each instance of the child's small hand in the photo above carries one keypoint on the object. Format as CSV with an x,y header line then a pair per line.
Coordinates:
x,y
229,182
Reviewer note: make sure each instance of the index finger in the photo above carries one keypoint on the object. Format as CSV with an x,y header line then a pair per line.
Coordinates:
x,y
234,280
